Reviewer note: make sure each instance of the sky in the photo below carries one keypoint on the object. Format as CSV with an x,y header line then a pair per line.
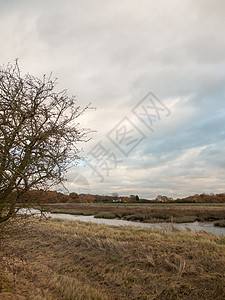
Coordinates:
x,y
154,71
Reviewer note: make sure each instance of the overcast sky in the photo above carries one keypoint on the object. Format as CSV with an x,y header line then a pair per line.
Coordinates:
x,y
154,70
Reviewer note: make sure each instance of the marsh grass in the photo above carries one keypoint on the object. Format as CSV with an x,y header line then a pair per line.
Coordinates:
x,y
106,215
220,223
76,260
145,213
72,212
185,219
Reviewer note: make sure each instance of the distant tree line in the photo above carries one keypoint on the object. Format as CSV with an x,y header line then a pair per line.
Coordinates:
x,y
57,197
203,198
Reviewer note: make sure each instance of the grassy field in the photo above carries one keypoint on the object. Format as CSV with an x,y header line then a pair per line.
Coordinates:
x,y
177,213
54,259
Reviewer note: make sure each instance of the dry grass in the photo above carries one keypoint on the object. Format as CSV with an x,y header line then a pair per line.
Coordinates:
x,y
55,259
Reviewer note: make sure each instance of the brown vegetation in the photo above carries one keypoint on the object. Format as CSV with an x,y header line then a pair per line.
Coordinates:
x,y
220,223
202,198
144,213
74,260
57,197
39,137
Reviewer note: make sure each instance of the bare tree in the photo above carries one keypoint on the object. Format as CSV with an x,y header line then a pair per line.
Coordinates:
x,y
39,134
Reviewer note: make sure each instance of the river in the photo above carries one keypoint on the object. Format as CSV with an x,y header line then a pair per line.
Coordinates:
x,y
196,226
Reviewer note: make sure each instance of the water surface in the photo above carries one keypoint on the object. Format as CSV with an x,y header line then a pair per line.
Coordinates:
x,y
196,226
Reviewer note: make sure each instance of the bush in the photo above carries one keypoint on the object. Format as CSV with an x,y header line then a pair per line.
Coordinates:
x,y
134,218
106,215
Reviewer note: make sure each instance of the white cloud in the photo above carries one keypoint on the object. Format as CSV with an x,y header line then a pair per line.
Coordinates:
x,y
112,53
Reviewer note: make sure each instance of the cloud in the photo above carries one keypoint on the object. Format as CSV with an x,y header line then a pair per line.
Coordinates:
x,y
113,53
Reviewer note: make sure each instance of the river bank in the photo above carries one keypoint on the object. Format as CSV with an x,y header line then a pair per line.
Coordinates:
x,y
58,259
150,213
194,226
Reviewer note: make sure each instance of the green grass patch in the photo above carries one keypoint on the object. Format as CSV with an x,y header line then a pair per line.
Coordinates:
x,y
184,219
134,218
